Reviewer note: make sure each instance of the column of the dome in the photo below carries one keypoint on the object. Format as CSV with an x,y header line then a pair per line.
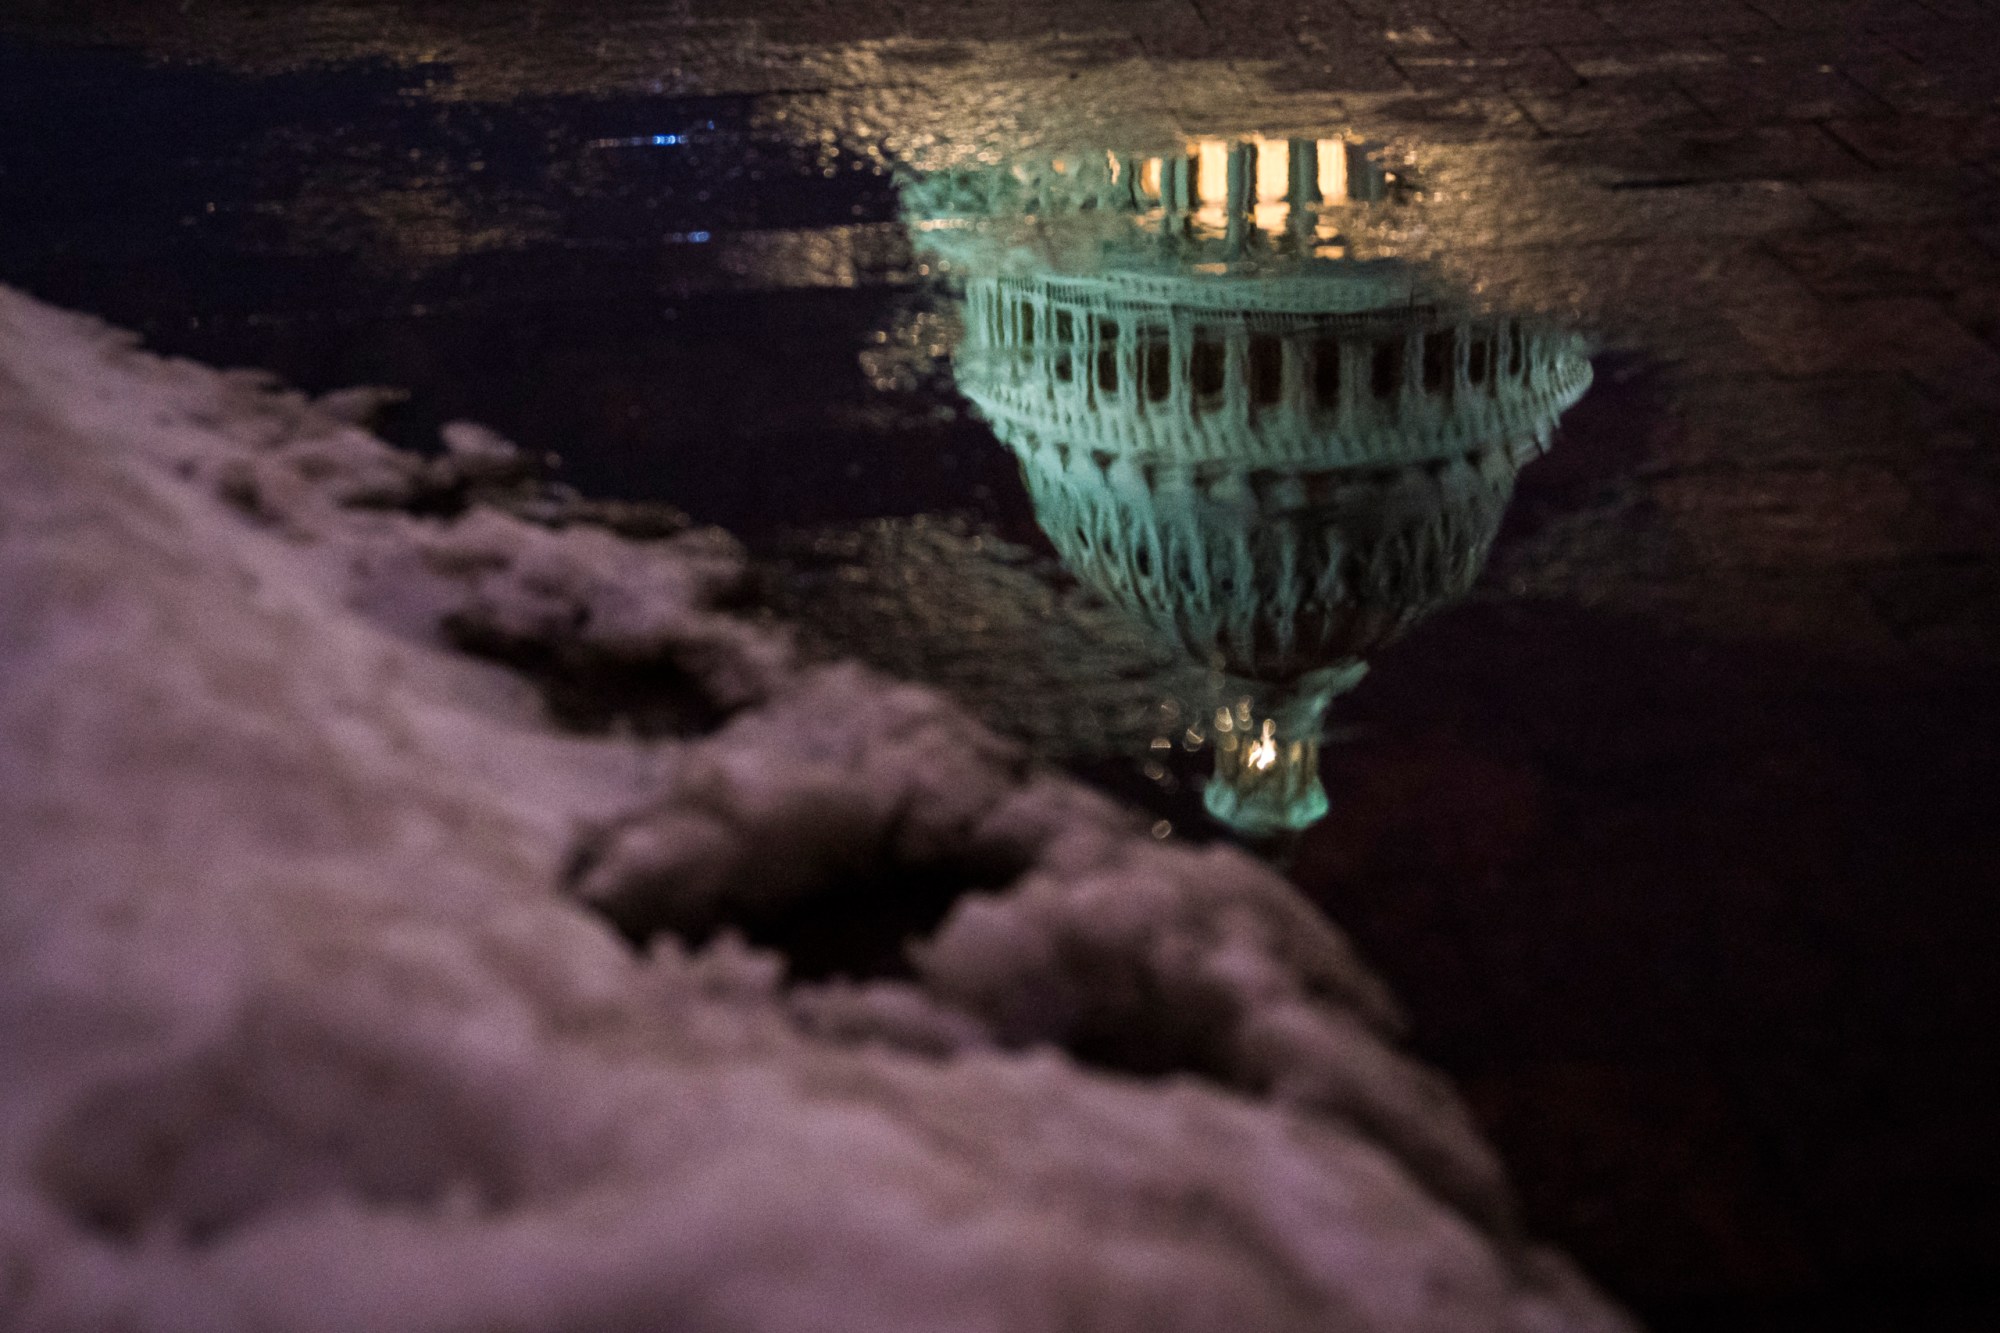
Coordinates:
x,y
1539,366
1006,319
1088,346
1020,350
1195,614
1304,184
1013,326
1241,194
977,330
1235,406
1357,416
1131,390
1461,335
1115,187
1180,355
1153,539
1238,597
1295,390
1411,404
1478,339
1278,584
1042,349
1073,393
1302,189
1133,167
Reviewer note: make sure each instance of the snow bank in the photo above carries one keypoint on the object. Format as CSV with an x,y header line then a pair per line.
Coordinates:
x,y
334,784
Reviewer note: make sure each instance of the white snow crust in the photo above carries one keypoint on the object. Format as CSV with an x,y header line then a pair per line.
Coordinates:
x,y
312,1016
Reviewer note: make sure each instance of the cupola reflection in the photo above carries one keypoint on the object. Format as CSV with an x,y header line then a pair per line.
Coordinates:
x,y
1276,455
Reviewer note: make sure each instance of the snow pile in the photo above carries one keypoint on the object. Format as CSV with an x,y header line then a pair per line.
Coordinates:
x,y
315,1010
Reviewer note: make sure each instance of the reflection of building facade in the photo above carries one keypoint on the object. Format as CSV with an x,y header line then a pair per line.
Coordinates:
x,y
1278,461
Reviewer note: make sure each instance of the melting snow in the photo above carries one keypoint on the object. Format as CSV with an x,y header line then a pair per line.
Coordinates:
x,y
313,1013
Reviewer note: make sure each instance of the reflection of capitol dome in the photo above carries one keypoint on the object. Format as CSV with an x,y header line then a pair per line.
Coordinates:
x,y
1280,462
1275,490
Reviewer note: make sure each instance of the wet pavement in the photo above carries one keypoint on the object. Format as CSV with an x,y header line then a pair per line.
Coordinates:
x,y
1666,800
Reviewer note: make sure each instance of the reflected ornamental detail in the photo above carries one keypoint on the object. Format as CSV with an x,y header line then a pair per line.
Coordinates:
x,y
1277,456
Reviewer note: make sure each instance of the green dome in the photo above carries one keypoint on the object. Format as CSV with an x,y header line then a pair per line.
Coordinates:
x,y
1277,459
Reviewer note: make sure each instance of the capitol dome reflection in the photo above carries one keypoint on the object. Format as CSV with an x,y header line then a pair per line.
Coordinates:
x,y
1278,457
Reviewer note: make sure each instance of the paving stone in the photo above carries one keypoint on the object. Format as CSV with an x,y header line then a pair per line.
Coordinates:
x,y
1888,261
1522,23
1609,107
1812,16
1754,421
1927,141
1792,152
1721,208
1680,18
1909,85
1527,68
1251,31
1830,514
1601,61
1770,79
1466,118
1915,335
1362,71
1390,13
1904,198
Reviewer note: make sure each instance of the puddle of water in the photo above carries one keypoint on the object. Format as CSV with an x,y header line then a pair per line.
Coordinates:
x,y
1266,446
1206,436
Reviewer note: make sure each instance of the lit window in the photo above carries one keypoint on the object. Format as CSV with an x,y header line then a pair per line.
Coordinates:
x,y
1274,170
1211,177
1333,171
1149,178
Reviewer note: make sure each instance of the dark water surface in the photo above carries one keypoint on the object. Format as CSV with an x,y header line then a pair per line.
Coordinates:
x,y
1666,796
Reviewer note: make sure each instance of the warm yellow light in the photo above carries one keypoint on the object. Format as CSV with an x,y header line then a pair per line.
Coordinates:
x,y
1264,750
1149,178
1274,170
1332,171
1211,176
